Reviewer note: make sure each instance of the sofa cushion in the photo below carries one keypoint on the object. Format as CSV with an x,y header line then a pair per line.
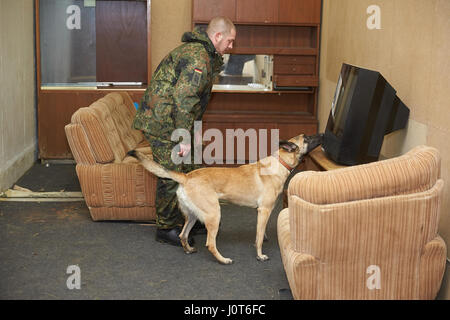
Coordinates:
x,y
101,109
93,125
416,171
122,112
107,125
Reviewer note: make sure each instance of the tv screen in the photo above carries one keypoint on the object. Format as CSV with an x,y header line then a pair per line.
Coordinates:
x,y
365,107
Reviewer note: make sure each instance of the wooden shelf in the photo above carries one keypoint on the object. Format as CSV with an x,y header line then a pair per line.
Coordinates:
x,y
74,89
279,92
321,160
275,50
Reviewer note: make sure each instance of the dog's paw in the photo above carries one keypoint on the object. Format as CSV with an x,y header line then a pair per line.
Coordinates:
x,y
262,257
190,250
227,261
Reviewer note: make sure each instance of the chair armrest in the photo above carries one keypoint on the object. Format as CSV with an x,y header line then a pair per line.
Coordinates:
x,y
79,144
432,267
302,269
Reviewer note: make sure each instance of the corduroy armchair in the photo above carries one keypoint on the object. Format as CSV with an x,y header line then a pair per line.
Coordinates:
x,y
113,184
365,232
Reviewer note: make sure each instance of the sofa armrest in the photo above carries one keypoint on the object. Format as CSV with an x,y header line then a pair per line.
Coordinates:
x,y
432,267
416,171
302,269
79,144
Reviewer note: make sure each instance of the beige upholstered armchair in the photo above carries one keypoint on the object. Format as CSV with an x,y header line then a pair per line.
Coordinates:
x,y
114,185
365,232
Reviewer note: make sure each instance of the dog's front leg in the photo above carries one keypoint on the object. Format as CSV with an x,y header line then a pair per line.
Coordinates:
x,y
263,217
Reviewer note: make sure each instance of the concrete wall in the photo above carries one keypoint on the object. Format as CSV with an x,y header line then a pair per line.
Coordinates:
x,y
411,50
18,142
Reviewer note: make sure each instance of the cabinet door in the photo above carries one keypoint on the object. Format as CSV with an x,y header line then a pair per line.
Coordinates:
x,y
262,11
121,36
299,11
205,10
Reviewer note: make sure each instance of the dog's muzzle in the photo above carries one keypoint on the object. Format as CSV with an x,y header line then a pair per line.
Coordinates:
x,y
313,141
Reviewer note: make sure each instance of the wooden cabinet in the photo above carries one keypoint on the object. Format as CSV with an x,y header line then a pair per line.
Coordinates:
x,y
290,31
259,11
205,10
299,65
294,71
265,11
121,41
299,11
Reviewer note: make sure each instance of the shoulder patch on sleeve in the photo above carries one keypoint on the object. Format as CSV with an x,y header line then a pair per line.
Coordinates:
x,y
197,76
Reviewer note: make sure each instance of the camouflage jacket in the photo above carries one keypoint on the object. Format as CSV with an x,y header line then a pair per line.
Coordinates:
x,y
180,88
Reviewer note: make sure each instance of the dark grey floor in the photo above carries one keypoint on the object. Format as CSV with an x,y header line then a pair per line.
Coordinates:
x,y
121,260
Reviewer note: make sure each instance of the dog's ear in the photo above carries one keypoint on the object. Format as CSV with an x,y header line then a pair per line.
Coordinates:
x,y
288,146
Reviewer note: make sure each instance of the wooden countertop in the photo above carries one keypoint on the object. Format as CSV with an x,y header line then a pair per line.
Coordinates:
x,y
320,158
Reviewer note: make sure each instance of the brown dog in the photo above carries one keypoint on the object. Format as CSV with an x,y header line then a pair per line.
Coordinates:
x,y
200,190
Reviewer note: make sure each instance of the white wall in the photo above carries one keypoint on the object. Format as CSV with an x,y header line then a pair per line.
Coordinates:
x,y
18,141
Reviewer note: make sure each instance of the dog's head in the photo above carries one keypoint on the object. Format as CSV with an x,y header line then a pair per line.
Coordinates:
x,y
294,149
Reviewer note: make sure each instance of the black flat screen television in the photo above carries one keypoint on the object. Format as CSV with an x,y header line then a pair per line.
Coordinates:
x,y
365,108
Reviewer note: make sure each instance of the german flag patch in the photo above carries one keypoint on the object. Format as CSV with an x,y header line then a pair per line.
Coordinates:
x,y
197,76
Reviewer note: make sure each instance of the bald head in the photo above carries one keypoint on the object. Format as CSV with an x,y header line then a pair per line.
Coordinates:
x,y
222,33
220,24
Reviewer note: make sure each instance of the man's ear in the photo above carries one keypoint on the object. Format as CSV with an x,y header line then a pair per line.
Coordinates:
x,y
218,36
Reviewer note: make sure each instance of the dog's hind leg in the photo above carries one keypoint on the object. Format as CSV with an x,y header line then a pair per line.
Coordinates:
x,y
189,222
204,203
212,222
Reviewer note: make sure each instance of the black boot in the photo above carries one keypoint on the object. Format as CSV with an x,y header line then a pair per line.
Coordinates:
x,y
198,228
171,236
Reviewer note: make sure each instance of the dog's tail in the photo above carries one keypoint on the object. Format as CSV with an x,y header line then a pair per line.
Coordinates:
x,y
156,168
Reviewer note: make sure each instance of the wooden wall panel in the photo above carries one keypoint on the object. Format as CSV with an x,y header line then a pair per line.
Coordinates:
x,y
285,131
57,107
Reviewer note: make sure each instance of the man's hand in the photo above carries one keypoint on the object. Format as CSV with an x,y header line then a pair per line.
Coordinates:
x,y
184,149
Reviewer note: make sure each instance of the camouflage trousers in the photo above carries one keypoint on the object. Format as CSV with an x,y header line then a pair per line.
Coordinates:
x,y
168,215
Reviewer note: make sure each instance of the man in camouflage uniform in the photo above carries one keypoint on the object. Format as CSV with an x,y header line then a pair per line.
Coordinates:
x,y
178,95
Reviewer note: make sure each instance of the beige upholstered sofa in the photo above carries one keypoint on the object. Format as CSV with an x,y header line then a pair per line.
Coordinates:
x,y
365,232
114,185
